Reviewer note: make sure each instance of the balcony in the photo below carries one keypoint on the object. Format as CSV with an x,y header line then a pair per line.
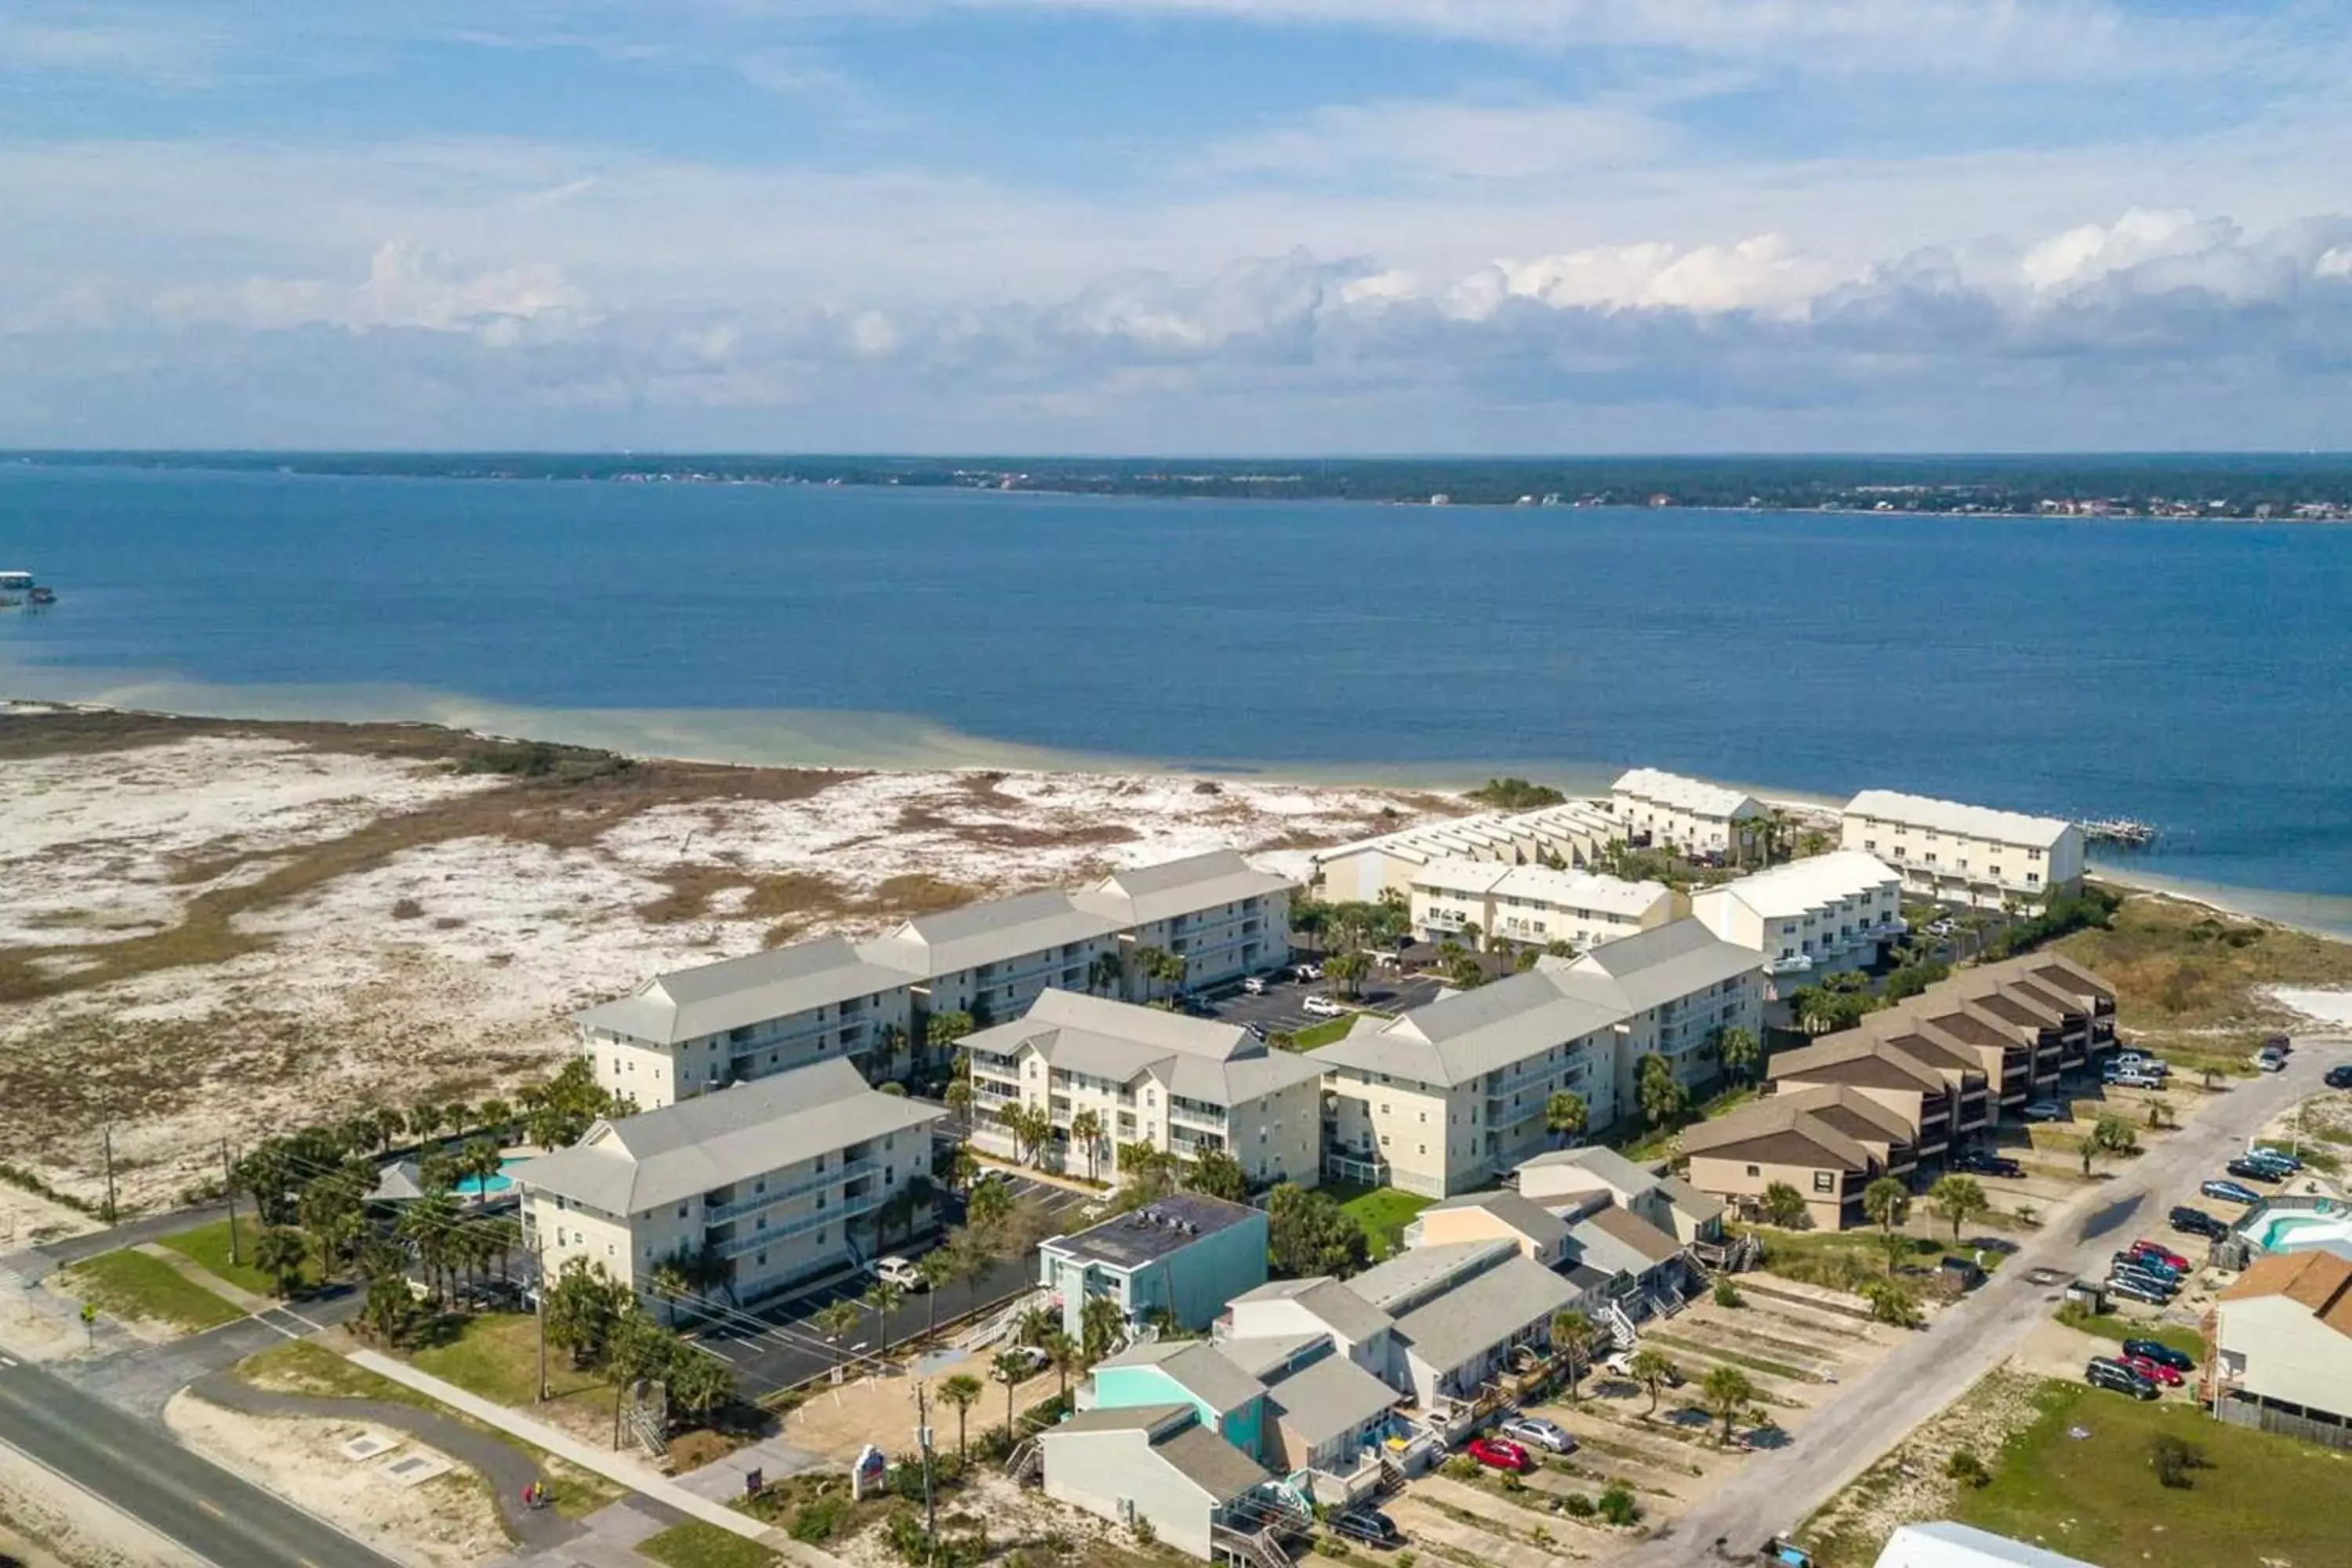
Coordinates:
x,y
1795,963
736,1247
721,1213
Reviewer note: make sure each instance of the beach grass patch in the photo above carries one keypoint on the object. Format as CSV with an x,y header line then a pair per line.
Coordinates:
x,y
131,1284
1322,1034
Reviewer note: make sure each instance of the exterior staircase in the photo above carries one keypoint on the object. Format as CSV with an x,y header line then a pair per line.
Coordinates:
x,y
1254,1549
1027,1462
1621,1332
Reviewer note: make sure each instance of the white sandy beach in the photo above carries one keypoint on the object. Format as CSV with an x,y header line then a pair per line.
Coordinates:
x,y
449,966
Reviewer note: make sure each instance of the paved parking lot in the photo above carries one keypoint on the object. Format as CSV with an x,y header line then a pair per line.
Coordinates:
x,y
776,1346
1283,1004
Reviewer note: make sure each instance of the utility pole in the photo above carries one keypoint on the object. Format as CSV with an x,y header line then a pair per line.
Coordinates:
x,y
109,1165
228,1191
538,1298
923,1441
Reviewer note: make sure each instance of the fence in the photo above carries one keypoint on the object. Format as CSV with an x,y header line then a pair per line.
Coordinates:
x,y
2235,1410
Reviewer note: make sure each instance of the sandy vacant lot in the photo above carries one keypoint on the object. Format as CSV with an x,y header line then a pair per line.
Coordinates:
x,y
211,930
449,1521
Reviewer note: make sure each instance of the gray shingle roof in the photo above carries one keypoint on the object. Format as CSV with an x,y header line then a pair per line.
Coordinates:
x,y
1485,1312
1659,964
1525,1216
1604,1163
711,998
1197,1366
1332,1396
1631,1230
1143,893
1689,1202
1210,1463
1807,1113
1466,1034
733,1134
989,933
1219,1064
1122,1418
1337,1306
1412,1274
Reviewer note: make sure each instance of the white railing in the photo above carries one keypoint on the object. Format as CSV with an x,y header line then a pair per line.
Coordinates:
x,y
723,1213
865,1203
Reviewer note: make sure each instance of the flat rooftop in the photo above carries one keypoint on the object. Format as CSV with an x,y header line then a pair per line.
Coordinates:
x,y
1144,1236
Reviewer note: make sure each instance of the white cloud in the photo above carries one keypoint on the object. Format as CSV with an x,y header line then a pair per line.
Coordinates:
x,y
1764,274
404,287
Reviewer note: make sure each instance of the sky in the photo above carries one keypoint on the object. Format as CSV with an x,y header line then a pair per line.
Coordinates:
x,y
1177,225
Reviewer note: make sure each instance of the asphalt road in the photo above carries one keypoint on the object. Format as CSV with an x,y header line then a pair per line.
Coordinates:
x,y
1779,1489
176,1492
1282,1005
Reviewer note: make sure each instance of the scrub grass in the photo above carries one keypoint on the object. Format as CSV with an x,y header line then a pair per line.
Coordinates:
x,y
131,1284
206,1246
1382,1212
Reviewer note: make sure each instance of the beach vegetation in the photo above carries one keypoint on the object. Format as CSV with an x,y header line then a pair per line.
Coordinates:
x,y
1516,794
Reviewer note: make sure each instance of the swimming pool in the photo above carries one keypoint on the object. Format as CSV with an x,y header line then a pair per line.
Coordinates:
x,y
2303,1231
485,1186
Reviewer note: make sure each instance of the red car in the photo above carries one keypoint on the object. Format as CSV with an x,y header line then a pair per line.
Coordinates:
x,y
2164,1255
1499,1453
2156,1371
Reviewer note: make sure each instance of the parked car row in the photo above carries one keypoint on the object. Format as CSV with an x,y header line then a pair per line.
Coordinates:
x,y
1985,1163
2113,1372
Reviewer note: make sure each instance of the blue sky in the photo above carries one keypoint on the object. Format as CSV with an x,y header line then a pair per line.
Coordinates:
x,y
1176,225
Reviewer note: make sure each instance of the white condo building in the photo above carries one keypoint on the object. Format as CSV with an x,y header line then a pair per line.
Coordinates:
x,y
781,1179
1668,811
1809,918
1570,834
1446,1098
688,1031
1965,854
1532,906
1181,1084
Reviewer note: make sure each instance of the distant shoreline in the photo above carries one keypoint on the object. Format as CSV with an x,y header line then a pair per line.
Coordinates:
x,y
2310,913
2186,489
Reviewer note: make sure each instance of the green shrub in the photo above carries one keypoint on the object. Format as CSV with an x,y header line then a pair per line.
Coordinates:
x,y
1965,1468
815,1522
1726,1294
1461,1467
1577,1506
1617,1504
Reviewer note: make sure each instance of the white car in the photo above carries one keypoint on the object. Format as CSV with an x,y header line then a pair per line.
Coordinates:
x,y
899,1271
1031,1356
1538,1433
2135,1061
2044,1111
1322,1007
1307,970
1254,984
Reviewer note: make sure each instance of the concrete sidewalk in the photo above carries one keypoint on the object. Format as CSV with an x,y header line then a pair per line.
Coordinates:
x,y
625,1468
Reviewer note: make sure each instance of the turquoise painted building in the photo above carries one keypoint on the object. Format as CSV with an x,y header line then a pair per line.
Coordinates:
x,y
1185,1254
1187,1372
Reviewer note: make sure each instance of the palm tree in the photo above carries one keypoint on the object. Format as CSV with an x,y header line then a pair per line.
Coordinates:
x,y
1887,1202
480,1160
426,1224
497,1117
280,1251
1958,1199
1740,1049
838,1321
1101,1322
1571,1336
1728,1392
1565,1113
1034,1325
1086,1128
960,1394
884,1297
1105,972
696,1380
672,1279
959,1098
1067,1355
940,1268
1653,1369
1008,1368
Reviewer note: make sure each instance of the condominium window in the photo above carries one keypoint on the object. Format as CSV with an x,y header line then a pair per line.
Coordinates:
x,y
1755,1170
1825,1182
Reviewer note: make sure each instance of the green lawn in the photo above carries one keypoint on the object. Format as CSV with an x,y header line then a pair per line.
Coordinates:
x,y
207,1247
2262,1498
496,1355
2107,1326
1321,1034
131,1284
694,1545
1383,1212
1845,1261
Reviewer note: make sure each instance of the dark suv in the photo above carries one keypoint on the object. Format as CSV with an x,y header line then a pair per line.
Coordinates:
x,y
2197,1221
2105,1372
2161,1354
1984,1163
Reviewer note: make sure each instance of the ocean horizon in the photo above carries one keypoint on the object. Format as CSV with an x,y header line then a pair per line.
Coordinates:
x,y
2186,674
